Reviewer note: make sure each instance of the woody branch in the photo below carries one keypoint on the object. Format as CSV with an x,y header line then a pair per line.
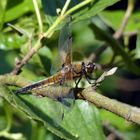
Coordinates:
x,y
128,112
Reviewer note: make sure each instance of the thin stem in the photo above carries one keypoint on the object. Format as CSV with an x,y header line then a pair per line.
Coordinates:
x,y
114,131
51,30
38,15
65,7
78,7
127,15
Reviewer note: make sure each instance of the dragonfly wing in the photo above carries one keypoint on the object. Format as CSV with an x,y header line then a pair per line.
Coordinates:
x,y
59,94
64,47
65,43
55,108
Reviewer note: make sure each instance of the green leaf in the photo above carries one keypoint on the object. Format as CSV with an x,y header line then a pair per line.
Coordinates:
x,y
110,117
82,122
94,7
10,42
7,61
2,12
17,8
108,18
137,50
86,120
133,24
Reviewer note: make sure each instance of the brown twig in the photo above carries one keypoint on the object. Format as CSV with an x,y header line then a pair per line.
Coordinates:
x,y
128,112
113,132
127,15
26,58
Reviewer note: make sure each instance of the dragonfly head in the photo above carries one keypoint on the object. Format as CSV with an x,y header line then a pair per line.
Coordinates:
x,y
90,67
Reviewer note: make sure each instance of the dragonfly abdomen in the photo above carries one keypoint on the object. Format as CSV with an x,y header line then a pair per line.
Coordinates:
x,y
47,82
28,88
53,79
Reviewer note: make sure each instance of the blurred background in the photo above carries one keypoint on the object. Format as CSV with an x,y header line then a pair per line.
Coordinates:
x,y
92,40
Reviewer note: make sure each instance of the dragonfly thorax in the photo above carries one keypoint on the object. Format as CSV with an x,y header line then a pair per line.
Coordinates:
x,y
65,69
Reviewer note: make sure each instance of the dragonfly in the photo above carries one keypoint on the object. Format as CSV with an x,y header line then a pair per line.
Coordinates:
x,y
69,71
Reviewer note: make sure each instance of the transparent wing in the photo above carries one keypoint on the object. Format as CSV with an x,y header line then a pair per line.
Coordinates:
x,y
61,94
65,43
65,50
62,99
64,47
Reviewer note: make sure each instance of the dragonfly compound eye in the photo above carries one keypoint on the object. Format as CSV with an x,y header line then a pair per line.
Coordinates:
x,y
90,67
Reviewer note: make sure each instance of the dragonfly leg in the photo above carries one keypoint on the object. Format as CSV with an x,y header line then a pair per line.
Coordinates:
x,y
77,82
89,78
82,72
95,84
